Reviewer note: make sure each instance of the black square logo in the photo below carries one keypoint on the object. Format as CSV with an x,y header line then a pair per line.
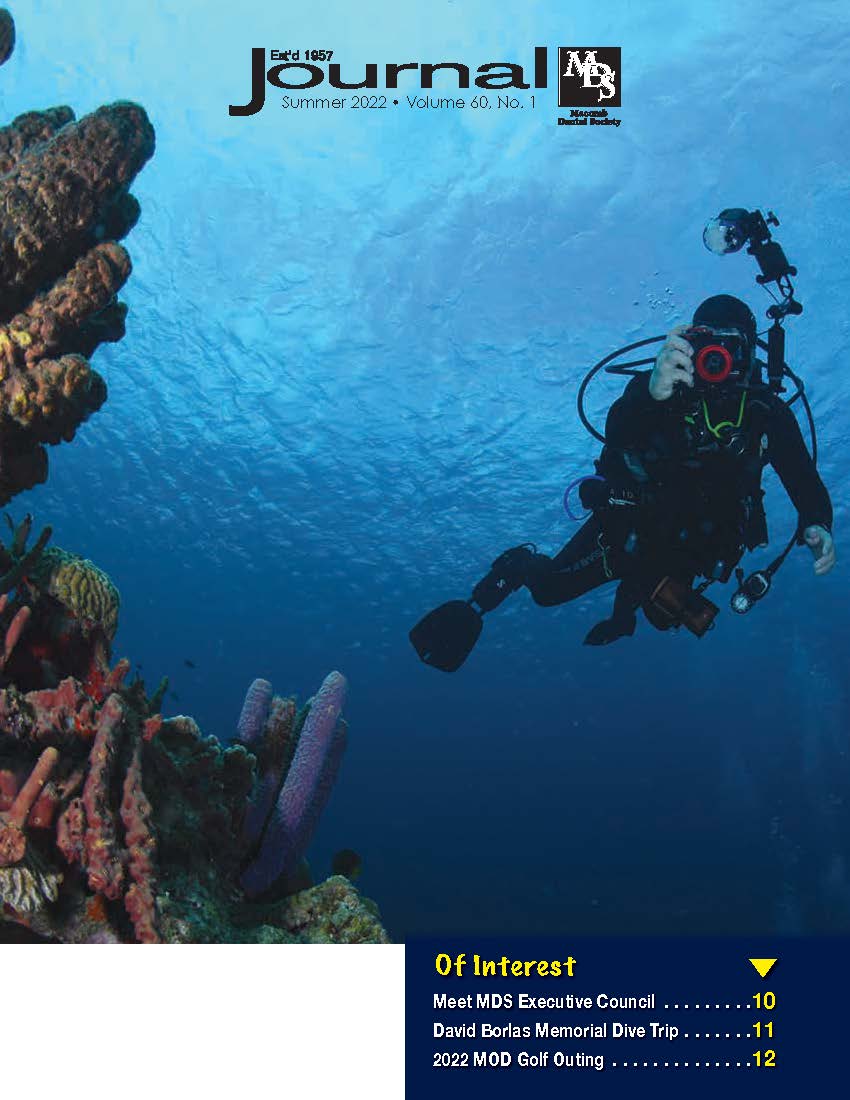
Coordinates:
x,y
588,76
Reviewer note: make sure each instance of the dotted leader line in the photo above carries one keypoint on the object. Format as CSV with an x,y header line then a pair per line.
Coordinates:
x,y
676,1065
717,1035
709,1006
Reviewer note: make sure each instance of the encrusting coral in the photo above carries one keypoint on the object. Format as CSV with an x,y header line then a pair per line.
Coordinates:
x,y
117,825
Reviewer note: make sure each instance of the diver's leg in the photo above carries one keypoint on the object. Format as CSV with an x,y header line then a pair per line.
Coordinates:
x,y
586,562
445,636
507,573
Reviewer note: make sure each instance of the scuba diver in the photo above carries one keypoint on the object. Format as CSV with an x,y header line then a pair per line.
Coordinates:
x,y
677,491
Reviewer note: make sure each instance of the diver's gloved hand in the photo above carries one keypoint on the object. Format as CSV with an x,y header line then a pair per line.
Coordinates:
x,y
507,573
821,544
674,363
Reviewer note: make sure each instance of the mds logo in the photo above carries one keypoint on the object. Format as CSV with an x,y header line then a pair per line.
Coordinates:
x,y
588,76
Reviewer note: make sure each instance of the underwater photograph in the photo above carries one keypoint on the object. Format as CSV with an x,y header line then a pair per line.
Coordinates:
x,y
422,488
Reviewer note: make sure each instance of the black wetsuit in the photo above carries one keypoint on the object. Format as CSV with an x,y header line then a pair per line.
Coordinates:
x,y
677,500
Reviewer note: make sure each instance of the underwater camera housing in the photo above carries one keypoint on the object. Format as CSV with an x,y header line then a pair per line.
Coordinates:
x,y
675,604
720,355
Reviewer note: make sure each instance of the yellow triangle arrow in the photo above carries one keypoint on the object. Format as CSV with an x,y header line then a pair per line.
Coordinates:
x,y
763,966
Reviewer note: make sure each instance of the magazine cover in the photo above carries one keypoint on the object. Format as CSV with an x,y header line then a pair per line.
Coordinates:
x,y
420,453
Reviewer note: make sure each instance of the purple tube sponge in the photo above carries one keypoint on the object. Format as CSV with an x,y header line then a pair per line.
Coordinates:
x,y
255,711
305,791
273,760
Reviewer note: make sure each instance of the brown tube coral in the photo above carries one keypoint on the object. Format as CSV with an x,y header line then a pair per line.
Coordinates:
x,y
28,130
58,196
49,324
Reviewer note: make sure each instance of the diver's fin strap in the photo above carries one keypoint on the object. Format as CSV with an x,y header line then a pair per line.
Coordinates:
x,y
507,573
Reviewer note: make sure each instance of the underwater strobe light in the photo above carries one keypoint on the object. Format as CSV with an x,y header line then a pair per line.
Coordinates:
x,y
735,227
727,232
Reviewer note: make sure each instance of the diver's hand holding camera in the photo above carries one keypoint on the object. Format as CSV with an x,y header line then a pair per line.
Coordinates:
x,y
703,357
674,363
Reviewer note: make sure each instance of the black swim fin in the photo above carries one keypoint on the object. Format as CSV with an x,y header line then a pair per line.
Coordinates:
x,y
445,637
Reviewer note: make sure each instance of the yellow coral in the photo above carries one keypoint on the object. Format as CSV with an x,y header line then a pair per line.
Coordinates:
x,y
79,585
21,338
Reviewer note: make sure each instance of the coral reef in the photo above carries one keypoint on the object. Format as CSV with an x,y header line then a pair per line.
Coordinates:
x,y
63,204
118,825
332,912
69,608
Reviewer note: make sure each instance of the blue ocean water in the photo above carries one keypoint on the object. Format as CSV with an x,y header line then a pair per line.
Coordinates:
x,y
349,382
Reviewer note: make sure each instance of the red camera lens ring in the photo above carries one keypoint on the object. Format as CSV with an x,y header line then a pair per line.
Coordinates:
x,y
714,376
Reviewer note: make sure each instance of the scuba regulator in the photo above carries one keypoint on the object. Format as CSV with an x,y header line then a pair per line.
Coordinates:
x,y
721,357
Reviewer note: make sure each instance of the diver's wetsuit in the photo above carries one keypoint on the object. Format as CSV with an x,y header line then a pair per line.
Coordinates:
x,y
686,503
